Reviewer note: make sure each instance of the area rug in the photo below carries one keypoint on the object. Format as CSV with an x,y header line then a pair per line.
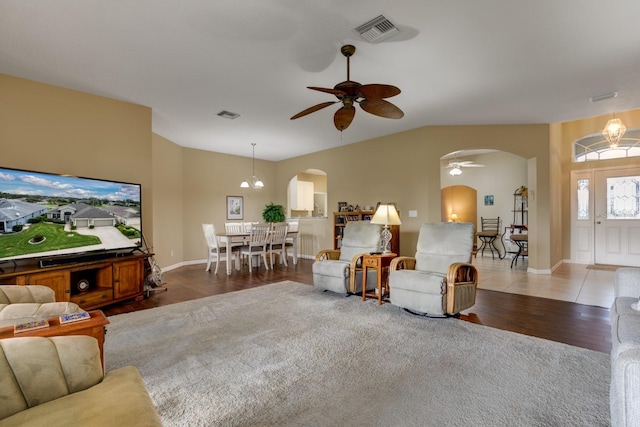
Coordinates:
x,y
603,267
288,355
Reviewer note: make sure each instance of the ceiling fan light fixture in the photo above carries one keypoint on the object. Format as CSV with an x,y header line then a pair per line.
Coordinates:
x,y
455,171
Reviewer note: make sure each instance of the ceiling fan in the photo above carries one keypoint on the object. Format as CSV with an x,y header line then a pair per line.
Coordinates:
x,y
369,96
455,167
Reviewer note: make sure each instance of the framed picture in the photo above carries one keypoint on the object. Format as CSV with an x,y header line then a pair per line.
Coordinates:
x,y
488,200
342,206
235,207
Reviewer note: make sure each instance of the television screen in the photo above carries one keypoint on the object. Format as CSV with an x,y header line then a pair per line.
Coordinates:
x,y
48,216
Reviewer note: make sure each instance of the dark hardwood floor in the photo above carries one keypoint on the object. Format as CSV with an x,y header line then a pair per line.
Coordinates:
x,y
561,321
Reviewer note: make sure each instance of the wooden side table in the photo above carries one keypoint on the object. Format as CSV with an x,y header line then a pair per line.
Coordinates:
x,y
93,327
381,263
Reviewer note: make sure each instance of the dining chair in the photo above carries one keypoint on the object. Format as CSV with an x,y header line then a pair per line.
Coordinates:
x,y
234,227
291,241
247,226
216,252
277,242
258,245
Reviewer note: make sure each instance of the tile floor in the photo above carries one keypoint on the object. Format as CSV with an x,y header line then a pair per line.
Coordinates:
x,y
569,282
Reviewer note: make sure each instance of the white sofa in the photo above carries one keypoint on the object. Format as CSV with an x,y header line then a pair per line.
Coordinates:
x,y
625,349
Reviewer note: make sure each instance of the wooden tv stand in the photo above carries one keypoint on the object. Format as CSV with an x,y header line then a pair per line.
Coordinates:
x,y
110,280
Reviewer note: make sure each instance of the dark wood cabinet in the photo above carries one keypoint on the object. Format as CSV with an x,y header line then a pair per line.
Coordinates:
x,y
89,284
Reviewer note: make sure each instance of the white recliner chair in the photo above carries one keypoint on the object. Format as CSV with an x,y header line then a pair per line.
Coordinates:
x,y
439,280
340,270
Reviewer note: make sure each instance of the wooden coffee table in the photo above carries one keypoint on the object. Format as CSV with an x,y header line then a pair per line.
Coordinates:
x,y
94,327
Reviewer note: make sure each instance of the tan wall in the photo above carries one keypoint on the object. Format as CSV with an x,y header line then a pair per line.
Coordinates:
x,y
405,168
51,129
207,179
168,201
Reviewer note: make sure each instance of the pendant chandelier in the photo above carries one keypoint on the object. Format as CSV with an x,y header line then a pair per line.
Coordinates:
x,y
614,131
252,181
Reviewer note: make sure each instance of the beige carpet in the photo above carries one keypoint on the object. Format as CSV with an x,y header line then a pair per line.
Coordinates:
x,y
288,355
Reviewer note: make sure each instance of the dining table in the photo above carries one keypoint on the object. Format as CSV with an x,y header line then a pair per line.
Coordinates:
x,y
241,239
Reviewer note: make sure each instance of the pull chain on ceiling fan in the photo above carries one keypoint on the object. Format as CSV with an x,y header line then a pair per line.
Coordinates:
x,y
369,96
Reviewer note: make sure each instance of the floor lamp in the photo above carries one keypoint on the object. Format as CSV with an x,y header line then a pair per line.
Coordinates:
x,y
386,215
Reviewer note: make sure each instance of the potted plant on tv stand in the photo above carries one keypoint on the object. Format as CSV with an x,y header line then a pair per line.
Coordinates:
x,y
273,213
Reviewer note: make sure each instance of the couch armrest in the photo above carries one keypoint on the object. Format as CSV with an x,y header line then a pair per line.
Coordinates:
x,y
328,254
462,282
627,282
402,263
625,389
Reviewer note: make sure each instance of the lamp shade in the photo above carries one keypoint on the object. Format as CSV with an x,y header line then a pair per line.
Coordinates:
x,y
386,215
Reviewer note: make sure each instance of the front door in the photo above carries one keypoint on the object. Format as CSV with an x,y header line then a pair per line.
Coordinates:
x,y
617,217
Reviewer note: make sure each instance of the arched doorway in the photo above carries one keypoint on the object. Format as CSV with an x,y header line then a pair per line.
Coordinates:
x,y
307,194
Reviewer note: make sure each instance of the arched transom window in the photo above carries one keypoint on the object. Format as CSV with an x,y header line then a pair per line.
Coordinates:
x,y
596,147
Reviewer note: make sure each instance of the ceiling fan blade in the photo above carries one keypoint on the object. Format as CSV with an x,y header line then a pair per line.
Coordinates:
x,y
378,91
343,117
382,108
472,165
335,92
313,109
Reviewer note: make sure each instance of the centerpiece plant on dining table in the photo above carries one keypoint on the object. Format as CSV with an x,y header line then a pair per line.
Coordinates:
x,y
273,213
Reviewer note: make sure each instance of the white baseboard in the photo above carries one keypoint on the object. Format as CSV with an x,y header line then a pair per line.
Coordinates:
x,y
204,261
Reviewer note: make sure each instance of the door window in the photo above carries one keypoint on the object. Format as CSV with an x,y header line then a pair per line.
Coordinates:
x,y
623,197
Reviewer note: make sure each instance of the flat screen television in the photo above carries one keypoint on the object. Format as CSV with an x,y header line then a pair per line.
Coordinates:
x,y
52,218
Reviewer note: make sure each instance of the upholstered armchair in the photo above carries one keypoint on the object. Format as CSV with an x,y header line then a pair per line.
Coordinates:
x,y
19,304
59,381
439,280
340,270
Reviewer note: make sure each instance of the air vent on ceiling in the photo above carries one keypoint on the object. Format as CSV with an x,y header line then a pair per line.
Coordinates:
x,y
377,29
603,97
228,115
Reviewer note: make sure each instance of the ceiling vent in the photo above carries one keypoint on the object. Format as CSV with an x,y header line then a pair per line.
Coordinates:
x,y
228,115
603,97
377,29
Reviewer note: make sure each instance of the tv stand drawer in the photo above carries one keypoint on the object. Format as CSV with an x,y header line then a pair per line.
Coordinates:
x,y
96,297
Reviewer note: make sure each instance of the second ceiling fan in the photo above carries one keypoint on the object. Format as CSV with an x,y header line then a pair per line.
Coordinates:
x,y
369,96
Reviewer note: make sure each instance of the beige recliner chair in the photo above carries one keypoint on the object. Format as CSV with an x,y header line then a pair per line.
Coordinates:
x,y
439,280
20,304
340,270
58,381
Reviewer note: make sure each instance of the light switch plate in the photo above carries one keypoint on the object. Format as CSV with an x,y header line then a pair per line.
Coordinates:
x,y
413,214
